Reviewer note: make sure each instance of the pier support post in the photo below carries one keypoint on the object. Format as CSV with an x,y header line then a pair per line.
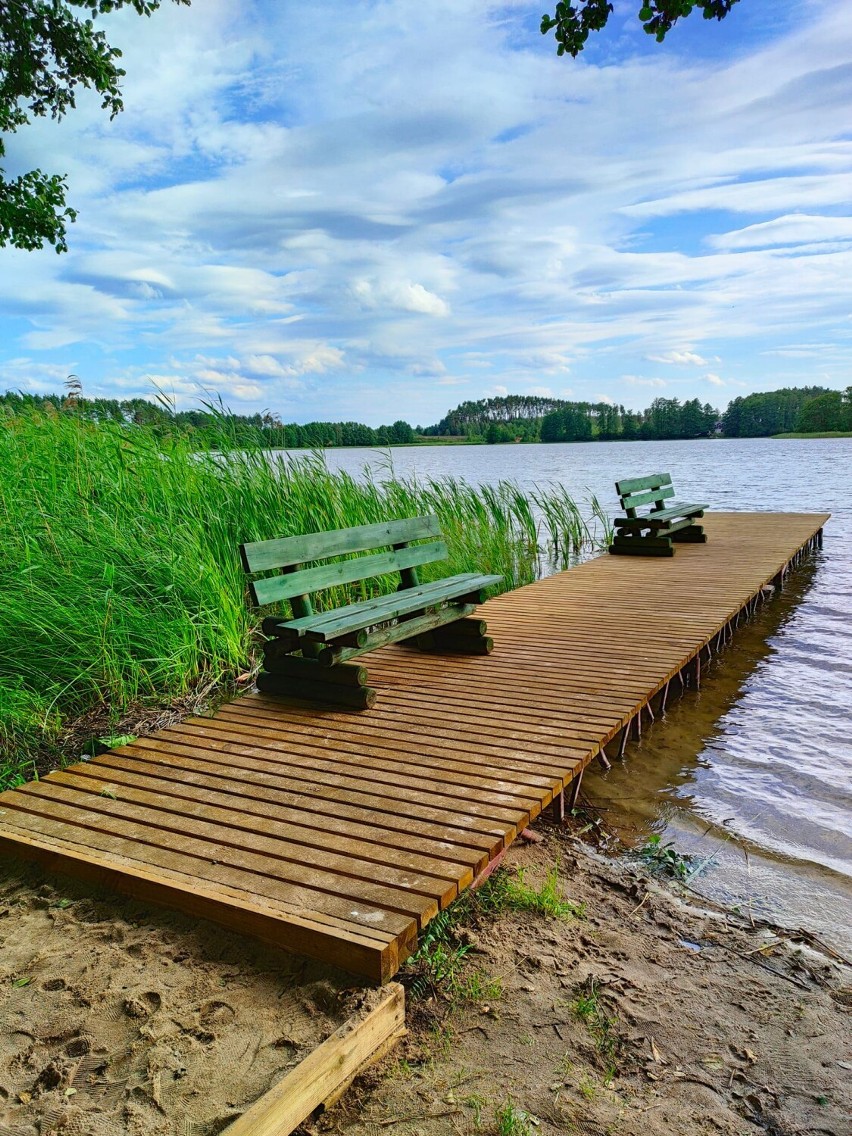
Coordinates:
x,y
661,709
575,790
557,807
622,745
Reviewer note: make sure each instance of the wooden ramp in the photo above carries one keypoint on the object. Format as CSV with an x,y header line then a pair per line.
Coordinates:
x,y
338,834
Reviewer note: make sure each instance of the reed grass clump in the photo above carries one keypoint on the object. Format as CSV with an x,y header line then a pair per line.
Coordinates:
x,y
120,577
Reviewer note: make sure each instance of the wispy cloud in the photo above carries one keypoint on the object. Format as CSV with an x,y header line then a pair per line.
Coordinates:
x,y
636,381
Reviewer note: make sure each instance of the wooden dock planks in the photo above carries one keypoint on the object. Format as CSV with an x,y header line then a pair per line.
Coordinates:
x,y
339,835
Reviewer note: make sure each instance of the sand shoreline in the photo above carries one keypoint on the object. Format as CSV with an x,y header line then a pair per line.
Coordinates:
x,y
159,1026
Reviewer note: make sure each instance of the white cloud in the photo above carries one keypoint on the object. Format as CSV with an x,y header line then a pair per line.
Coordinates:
x,y
678,358
714,380
791,229
636,381
402,295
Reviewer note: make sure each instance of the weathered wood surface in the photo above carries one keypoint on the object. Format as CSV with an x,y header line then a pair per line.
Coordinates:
x,y
322,1076
338,835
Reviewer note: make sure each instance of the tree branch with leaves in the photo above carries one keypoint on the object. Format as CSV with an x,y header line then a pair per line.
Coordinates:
x,y
48,50
571,24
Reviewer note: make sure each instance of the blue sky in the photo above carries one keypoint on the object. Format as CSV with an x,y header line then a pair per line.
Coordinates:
x,y
374,211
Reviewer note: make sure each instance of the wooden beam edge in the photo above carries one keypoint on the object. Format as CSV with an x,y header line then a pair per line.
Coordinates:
x,y
285,930
324,1075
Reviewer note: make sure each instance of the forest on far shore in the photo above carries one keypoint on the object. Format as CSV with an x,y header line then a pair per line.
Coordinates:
x,y
512,418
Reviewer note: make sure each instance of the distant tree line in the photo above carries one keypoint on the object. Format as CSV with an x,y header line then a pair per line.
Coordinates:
x,y
517,418
768,412
520,418
521,412
210,424
829,411
511,418
600,421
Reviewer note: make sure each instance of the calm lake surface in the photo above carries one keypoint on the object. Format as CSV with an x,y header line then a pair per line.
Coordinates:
x,y
754,772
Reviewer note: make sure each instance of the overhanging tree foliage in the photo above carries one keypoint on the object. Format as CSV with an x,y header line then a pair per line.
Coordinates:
x,y
47,51
571,24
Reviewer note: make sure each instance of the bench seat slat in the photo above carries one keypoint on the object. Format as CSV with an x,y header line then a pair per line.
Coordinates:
x,y
258,556
378,603
329,625
660,518
399,603
274,588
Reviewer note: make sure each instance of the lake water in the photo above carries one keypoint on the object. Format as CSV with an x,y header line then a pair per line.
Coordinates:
x,y
754,772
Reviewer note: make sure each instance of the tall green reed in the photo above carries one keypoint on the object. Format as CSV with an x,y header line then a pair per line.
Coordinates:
x,y
120,577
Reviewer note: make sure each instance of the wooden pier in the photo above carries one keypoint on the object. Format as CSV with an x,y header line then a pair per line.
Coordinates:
x,y
339,835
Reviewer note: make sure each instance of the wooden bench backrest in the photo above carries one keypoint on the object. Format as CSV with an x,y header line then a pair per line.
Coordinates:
x,y
289,553
637,491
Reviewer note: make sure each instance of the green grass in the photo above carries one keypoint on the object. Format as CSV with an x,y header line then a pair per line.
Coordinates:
x,y
507,891
818,434
441,964
601,1025
511,1120
121,583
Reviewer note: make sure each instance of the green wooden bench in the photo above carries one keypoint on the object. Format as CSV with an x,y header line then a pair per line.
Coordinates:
x,y
652,533
307,655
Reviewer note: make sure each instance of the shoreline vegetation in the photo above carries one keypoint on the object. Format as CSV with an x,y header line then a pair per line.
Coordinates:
x,y
124,597
791,412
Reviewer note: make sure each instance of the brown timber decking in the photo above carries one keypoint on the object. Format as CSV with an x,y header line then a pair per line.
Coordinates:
x,y
338,834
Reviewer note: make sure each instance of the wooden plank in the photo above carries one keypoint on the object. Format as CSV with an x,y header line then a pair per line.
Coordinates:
x,y
309,670
239,911
214,859
258,556
380,787
272,589
633,501
324,1072
260,725
495,792
312,690
281,824
331,624
407,728
405,629
640,547
463,826
658,526
427,845
635,484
